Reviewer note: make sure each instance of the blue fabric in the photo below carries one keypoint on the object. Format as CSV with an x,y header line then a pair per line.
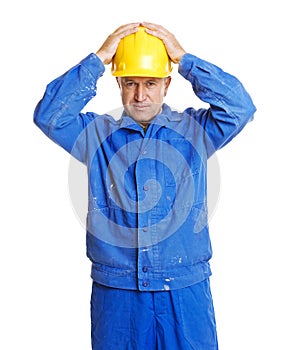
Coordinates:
x,y
132,320
147,223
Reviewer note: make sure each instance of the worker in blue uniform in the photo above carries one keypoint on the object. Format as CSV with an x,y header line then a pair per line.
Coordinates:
x,y
147,222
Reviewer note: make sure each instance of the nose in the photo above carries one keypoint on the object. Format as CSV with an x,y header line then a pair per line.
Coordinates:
x,y
140,93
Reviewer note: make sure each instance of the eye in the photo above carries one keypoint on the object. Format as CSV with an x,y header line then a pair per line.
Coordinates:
x,y
151,84
129,84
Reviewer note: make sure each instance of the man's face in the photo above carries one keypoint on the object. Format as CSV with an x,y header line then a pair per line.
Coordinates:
x,y
142,97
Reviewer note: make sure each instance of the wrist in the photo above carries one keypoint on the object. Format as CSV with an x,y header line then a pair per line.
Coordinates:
x,y
103,57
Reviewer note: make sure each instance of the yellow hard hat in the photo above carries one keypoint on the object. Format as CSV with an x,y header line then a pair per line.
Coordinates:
x,y
142,55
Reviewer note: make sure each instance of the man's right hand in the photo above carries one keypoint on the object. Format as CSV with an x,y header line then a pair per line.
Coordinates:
x,y
109,47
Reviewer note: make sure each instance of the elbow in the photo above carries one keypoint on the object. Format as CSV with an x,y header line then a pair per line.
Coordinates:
x,y
250,111
36,115
249,107
40,118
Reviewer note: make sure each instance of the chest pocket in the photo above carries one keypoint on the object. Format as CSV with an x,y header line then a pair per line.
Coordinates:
x,y
180,160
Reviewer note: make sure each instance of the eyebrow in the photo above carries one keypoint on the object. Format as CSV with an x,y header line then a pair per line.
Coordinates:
x,y
148,79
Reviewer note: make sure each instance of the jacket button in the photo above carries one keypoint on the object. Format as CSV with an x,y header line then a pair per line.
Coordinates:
x,y
145,269
146,188
145,284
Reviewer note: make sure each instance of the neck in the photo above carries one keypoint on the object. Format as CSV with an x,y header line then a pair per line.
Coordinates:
x,y
144,126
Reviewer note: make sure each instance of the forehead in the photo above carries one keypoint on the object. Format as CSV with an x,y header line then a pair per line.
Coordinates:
x,y
140,79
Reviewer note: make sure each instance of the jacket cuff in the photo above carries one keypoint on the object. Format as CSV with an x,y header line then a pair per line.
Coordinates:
x,y
94,65
186,64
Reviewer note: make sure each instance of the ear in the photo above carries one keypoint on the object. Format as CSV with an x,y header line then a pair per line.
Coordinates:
x,y
118,82
167,84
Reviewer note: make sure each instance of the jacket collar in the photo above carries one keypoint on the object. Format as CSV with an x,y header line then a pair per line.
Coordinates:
x,y
162,119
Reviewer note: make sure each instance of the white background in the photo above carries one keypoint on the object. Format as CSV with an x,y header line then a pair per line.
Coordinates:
x,y
45,275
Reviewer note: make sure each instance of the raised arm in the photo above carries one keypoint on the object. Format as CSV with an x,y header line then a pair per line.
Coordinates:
x,y
58,114
231,106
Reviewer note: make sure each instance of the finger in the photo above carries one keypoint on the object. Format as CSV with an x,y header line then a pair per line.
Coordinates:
x,y
157,31
152,25
155,28
127,29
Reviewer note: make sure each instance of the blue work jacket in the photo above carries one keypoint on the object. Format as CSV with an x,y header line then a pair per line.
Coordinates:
x,y
147,222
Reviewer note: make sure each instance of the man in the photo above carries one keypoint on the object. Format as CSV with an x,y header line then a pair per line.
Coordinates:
x,y
147,230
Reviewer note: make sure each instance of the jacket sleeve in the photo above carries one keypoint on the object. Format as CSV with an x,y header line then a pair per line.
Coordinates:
x,y
58,114
231,107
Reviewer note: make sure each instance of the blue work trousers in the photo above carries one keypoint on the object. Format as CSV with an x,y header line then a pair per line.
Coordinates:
x,y
181,319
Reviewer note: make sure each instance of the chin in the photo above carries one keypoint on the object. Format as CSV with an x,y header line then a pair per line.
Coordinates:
x,y
142,117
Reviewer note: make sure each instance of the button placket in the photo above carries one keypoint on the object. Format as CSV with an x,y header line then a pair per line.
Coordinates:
x,y
143,178
144,262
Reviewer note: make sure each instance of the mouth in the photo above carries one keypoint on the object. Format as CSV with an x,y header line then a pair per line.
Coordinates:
x,y
141,106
